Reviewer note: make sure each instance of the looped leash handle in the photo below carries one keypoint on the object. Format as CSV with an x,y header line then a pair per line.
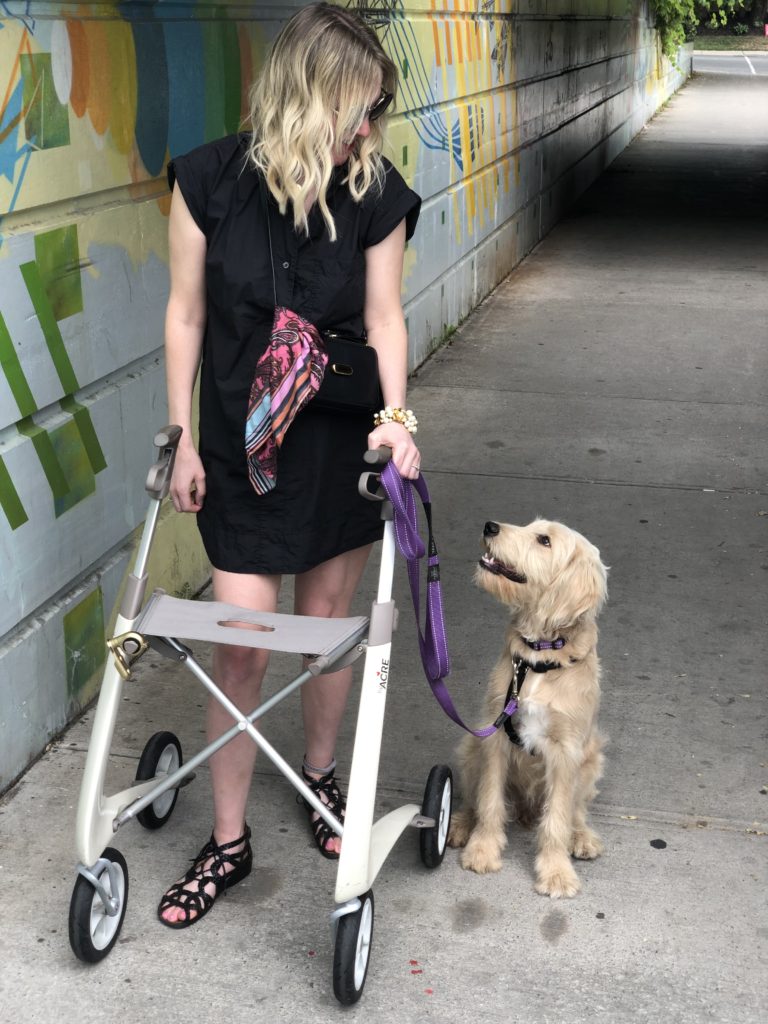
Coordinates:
x,y
433,645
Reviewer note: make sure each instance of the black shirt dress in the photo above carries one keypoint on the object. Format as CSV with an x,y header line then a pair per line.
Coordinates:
x,y
315,512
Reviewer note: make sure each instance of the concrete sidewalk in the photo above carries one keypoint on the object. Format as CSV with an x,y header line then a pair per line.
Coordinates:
x,y
616,381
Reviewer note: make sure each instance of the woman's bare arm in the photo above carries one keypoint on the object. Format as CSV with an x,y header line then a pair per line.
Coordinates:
x,y
385,326
184,327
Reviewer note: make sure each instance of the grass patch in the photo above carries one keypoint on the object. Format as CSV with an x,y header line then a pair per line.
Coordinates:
x,y
730,43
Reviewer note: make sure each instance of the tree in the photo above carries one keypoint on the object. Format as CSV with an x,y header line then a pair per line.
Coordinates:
x,y
676,20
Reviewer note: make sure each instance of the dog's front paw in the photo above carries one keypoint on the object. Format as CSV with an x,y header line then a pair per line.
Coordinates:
x,y
555,877
481,855
461,827
586,845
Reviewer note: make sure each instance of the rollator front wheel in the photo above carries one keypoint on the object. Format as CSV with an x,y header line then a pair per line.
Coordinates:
x,y
438,801
351,955
161,756
93,931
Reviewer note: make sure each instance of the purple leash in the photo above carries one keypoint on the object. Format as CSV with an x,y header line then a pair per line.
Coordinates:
x,y
433,645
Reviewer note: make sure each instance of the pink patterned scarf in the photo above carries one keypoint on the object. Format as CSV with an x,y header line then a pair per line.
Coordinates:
x,y
287,376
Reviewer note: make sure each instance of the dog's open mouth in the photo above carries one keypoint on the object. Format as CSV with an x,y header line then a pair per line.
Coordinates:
x,y
491,564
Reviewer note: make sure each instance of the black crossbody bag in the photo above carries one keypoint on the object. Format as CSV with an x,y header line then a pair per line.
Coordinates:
x,y
351,379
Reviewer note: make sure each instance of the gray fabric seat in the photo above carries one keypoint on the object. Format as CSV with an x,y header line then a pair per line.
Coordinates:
x,y
217,622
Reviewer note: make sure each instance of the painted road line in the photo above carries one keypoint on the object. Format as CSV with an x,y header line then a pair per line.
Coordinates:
x,y
751,65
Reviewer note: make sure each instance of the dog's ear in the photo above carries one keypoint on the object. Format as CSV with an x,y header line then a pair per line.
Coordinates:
x,y
581,588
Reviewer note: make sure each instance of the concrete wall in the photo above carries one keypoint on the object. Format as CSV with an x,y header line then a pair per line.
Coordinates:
x,y
508,109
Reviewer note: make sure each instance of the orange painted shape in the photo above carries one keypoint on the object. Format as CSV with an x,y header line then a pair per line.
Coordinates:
x,y
459,51
78,44
99,90
436,36
123,85
448,50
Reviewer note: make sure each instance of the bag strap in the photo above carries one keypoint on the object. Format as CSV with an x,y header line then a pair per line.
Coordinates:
x,y
265,207
433,644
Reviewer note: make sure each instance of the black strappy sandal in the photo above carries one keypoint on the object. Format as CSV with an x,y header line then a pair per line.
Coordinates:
x,y
327,789
199,902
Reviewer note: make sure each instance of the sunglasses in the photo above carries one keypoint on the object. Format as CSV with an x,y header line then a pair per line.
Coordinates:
x,y
379,106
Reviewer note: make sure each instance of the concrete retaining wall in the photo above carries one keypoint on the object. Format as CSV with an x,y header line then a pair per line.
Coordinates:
x,y
508,110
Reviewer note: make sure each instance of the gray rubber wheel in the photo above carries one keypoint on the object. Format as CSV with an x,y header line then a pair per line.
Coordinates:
x,y
92,931
438,801
161,756
352,952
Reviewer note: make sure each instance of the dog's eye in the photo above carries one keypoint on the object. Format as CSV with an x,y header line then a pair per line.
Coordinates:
x,y
543,539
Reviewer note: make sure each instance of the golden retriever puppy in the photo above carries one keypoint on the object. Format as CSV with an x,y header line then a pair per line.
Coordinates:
x,y
545,761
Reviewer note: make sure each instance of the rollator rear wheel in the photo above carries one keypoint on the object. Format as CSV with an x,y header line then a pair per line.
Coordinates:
x,y
354,934
92,931
161,756
438,801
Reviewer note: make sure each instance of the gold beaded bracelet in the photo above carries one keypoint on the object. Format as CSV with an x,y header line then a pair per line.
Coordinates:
x,y
402,416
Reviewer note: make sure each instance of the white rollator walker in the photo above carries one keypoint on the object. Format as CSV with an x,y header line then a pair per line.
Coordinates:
x,y
100,894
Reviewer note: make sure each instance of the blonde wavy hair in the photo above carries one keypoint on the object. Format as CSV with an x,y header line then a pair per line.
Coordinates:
x,y
312,95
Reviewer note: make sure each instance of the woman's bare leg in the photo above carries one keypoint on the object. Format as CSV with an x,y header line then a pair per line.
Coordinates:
x,y
327,591
238,672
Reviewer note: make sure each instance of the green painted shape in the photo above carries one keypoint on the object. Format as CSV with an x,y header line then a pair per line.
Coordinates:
x,y
84,647
54,474
214,60
50,328
10,502
14,373
231,72
46,121
57,255
405,156
73,459
84,423
405,67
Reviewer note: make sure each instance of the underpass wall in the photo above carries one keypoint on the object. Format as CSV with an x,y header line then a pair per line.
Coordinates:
x,y
508,109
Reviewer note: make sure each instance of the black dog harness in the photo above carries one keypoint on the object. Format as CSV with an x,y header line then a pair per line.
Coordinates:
x,y
520,669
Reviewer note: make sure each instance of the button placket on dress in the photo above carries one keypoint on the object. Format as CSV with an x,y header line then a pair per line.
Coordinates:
x,y
286,263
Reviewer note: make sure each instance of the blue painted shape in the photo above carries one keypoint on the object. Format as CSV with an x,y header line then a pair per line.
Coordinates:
x,y
9,155
186,61
152,89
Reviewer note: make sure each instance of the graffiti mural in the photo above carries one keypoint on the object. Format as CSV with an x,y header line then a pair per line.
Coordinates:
x,y
505,112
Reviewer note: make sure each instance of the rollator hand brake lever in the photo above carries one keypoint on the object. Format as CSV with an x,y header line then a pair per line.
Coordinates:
x,y
159,477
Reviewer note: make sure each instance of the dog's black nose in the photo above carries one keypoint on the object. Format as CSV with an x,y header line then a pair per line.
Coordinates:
x,y
490,529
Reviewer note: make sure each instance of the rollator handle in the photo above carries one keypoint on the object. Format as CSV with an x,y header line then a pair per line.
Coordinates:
x,y
368,484
159,476
378,456
168,437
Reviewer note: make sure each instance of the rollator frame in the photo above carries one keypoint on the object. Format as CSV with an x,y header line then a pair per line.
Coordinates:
x,y
138,628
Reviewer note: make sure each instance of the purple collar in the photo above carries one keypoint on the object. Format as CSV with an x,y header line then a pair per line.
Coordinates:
x,y
545,645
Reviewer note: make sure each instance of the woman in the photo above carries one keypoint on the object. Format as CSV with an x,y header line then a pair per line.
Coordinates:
x,y
301,212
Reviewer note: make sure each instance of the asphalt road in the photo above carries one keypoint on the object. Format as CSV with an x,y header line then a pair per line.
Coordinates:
x,y
752,63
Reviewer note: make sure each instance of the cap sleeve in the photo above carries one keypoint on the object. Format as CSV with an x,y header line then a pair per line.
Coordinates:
x,y
385,212
188,172
201,172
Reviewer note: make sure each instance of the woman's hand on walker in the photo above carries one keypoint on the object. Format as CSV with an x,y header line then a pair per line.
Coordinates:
x,y
188,481
405,454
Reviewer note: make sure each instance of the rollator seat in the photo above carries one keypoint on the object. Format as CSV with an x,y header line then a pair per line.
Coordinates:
x,y
217,622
